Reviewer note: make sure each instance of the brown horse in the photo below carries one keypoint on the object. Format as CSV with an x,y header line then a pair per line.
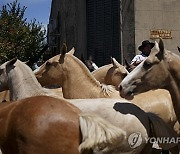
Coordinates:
x,y
114,73
77,82
43,124
22,83
160,70
69,72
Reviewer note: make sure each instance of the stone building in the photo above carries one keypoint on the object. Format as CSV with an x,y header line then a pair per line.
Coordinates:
x,y
105,28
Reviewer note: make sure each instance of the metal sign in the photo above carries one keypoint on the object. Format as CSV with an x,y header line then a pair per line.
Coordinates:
x,y
164,34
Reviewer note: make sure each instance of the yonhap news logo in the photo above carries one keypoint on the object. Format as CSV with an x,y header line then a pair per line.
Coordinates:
x,y
135,140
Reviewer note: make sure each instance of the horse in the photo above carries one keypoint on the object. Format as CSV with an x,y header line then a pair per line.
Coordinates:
x,y
18,87
114,73
71,86
69,72
119,113
111,74
43,124
89,63
160,70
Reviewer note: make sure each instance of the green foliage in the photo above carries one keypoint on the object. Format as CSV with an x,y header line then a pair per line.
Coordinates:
x,y
18,38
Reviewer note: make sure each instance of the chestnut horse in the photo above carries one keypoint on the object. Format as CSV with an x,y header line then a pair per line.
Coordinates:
x,y
43,124
160,70
114,73
19,78
69,72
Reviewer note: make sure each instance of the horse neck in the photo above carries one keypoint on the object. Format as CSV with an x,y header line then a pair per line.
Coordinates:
x,y
104,68
79,80
22,83
174,84
101,72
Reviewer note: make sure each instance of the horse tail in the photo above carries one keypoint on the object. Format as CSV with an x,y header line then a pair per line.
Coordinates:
x,y
162,132
99,134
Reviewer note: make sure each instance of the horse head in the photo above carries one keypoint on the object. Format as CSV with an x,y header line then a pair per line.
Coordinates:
x,y
53,69
4,70
116,73
149,74
89,63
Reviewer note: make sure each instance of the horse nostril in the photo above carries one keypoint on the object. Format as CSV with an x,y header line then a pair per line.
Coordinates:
x,y
120,87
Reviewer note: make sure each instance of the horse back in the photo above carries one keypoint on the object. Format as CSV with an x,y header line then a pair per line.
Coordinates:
x,y
41,125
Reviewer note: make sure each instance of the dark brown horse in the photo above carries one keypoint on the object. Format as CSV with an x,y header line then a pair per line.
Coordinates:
x,y
46,125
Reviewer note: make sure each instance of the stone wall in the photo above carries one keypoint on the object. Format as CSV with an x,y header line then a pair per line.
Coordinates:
x,y
128,30
69,20
157,14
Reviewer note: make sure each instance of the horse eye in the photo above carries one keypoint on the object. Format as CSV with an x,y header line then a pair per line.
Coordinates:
x,y
147,64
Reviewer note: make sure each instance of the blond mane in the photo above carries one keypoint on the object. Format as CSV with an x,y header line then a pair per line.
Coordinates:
x,y
23,83
106,89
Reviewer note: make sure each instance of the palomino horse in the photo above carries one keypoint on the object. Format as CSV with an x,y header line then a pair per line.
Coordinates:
x,y
118,112
69,72
43,124
111,74
160,70
19,86
114,73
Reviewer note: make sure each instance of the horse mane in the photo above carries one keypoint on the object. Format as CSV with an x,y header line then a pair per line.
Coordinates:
x,y
102,68
29,78
27,72
106,89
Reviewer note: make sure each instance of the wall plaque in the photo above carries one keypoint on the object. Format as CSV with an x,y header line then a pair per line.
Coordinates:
x,y
164,34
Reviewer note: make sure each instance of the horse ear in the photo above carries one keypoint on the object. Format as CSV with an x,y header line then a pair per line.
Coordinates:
x,y
72,51
63,49
160,54
126,63
11,62
63,52
114,62
157,46
178,48
161,45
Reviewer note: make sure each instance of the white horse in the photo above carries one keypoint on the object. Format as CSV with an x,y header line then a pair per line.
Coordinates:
x,y
160,70
20,80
